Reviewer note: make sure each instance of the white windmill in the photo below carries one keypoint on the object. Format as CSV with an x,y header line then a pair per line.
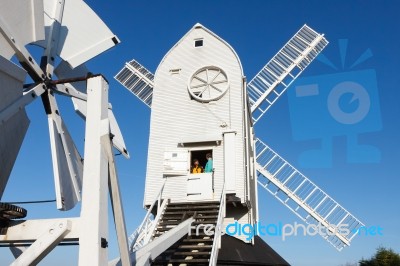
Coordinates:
x,y
65,30
200,103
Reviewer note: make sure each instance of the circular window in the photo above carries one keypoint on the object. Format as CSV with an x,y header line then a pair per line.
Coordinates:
x,y
208,84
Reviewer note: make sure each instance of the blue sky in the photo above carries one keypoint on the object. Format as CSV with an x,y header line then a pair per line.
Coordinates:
x,y
365,184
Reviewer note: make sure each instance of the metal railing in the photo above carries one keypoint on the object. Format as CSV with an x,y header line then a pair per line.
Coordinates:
x,y
142,234
218,228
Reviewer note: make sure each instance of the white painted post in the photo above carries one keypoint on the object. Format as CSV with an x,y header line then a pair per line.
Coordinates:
x,y
229,161
116,203
94,211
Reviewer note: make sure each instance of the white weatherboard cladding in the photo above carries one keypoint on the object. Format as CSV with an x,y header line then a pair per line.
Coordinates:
x,y
176,117
229,158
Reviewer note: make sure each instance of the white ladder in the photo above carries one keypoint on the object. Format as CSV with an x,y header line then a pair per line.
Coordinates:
x,y
304,198
279,73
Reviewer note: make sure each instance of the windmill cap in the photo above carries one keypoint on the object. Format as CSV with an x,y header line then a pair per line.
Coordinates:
x,y
198,25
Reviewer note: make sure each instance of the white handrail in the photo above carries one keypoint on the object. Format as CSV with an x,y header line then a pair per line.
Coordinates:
x,y
144,227
147,237
218,229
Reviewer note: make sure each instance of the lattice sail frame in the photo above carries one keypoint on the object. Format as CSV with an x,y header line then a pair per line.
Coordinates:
x,y
304,198
280,72
138,80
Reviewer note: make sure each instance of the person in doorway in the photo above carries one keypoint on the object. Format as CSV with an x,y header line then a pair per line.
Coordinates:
x,y
196,168
209,164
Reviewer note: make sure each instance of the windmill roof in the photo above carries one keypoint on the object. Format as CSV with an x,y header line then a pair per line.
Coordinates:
x,y
235,252
198,26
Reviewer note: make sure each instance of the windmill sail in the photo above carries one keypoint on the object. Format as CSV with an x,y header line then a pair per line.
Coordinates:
x,y
279,73
77,41
138,80
69,31
304,198
13,128
64,71
67,165
24,19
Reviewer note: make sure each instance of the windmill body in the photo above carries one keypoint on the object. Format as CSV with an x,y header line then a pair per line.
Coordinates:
x,y
191,118
200,103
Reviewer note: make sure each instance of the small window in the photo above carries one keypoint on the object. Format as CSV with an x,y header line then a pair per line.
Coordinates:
x,y
198,43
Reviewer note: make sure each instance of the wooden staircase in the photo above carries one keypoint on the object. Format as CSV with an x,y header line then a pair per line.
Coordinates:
x,y
194,249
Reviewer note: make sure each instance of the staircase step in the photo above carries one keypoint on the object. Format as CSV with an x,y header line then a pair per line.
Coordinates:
x,y
190,253
178,263
198,240
188,260
198,216
158,234
193,207
189,250
176,252
167,227
163,229
188,212
192,203
177,217
169,223
193,232
206,221
194,247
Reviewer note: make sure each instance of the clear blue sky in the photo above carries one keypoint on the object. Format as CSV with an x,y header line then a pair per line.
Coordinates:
x,y
367,185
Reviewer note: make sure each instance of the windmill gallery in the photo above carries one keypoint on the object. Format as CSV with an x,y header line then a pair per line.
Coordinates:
x,y
201,78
